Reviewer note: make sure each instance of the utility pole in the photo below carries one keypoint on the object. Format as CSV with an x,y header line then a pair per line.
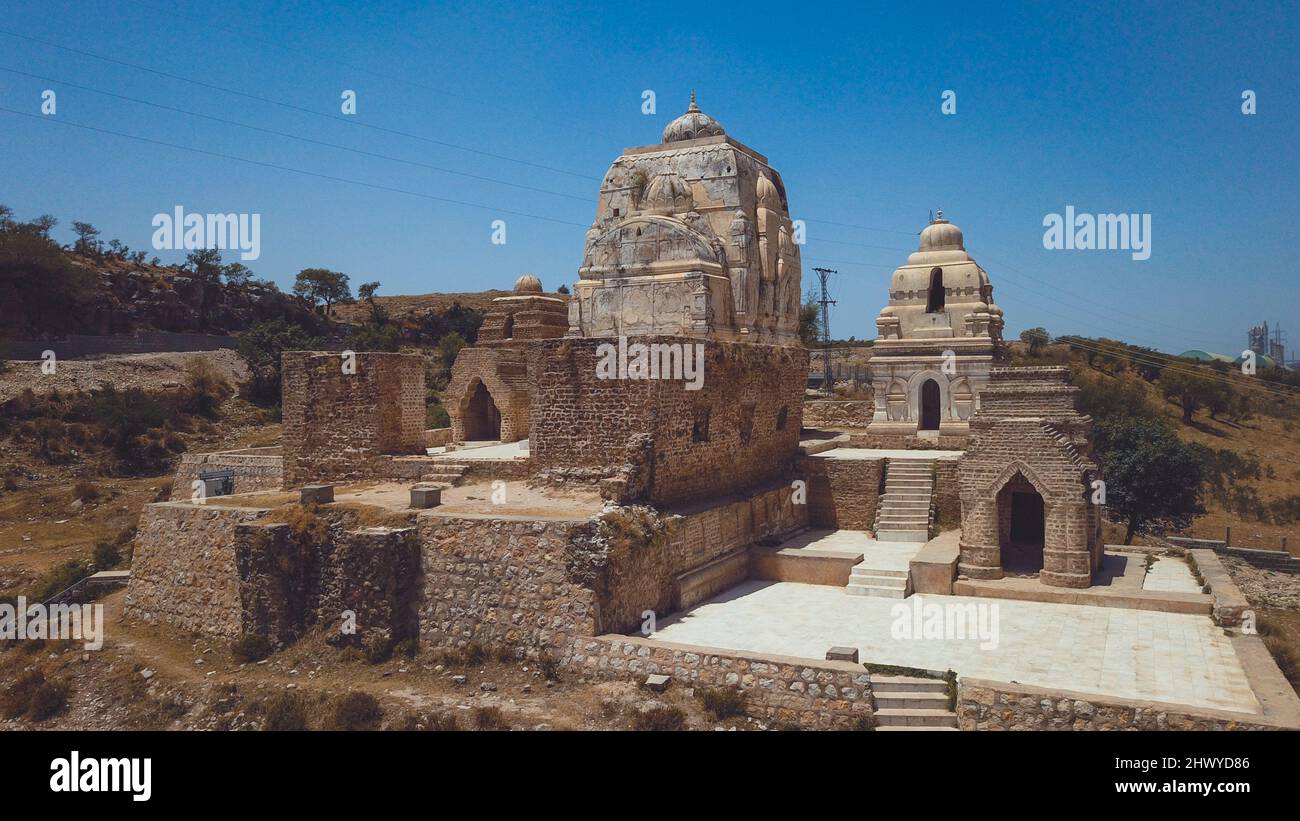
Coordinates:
x,y
828,381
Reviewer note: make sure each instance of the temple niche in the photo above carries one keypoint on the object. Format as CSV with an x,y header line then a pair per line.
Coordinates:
x,y
692,237
937,339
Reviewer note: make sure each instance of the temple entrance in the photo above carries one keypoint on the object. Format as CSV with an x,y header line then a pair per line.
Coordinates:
x,y
482,418
1023,527
929,405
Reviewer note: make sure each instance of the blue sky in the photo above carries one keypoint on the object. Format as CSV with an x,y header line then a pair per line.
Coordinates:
x,y
1132,107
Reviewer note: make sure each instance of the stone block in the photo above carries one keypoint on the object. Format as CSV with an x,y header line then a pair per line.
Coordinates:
x,y
657,683
423,496
842,654
317,494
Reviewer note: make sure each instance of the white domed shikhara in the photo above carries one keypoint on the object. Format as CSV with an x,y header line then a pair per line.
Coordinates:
x,y
941,235
528,284
940,308
692,125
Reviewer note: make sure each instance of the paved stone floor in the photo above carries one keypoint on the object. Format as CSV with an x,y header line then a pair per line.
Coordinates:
x,y
877,555
472,451
1139,654
885,453
1170,575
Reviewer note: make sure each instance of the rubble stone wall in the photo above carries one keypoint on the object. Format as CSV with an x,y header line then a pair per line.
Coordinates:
x,y
183,567
838,413
780,690
988,705
338,425
740,428
842,493
251,470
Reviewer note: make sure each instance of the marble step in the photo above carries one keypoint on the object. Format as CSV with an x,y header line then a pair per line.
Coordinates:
x,y
909,684
915,717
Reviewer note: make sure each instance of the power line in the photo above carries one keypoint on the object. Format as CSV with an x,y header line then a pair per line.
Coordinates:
x,y
828,382
292,107
295,136
304,172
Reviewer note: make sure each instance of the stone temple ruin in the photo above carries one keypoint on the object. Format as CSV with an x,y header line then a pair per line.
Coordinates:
x,y
640,448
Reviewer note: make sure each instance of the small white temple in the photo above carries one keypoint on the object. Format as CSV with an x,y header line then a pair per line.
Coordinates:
x,y
938,337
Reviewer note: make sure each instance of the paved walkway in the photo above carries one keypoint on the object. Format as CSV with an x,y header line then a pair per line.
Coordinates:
x,y
876,555
473,451
1137,654
886,453
1170,576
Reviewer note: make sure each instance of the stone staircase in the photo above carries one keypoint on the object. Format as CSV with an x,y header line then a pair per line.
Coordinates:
x,y
903,514
445,473
906,703
888,584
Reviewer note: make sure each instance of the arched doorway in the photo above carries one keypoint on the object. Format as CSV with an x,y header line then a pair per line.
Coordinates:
x,y
935,300
482,418
1022,526
929,405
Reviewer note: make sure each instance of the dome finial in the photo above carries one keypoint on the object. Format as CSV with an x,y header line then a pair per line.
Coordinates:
x,y
939,216
693,106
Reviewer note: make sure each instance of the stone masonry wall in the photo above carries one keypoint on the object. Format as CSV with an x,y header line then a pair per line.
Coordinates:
x,y
842,493
988,705
739,429
338,425
499,581
286,586
252,470
838,413
183,567
947,494
779,690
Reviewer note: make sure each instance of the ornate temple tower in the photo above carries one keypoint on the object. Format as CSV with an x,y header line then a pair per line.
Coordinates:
x,y
938,337
692,237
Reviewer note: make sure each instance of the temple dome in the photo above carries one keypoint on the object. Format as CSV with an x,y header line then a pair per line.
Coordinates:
x,y
692,125
528,284
668,193
941,235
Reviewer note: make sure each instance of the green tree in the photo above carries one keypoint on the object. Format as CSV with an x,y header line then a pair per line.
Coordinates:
x,y
373,336
261,346
366,291
1036,339
1189,389
86,238
322,287
237,274
809,320
204,264
1153,479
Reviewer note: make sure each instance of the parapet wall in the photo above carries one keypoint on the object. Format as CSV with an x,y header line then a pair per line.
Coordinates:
x,y
339,422
252,469
784,691
991,705
739,429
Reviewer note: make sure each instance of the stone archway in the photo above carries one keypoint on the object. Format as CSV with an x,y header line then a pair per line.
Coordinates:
x,y
929,405
482,417
1022,526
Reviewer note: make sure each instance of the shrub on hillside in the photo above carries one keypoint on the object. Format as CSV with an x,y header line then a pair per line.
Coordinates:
x,y
285,711
722,702
357,711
